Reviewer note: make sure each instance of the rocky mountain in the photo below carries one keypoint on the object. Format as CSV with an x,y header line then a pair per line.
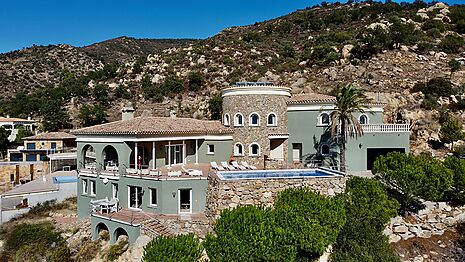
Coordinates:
x,y
387,49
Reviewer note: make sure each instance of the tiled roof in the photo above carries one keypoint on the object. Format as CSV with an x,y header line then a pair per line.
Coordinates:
x,y
157,126
13,119
51,136
311,98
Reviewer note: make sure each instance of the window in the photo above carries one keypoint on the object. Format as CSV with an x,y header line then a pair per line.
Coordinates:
x,y
153,196
84,186
210,149
114,190
238,149
93,188
254,150
31,157
324,150
324,119
363,119
271,120
31,146
226,119
238,120
254,119
135,196
43,158
53,145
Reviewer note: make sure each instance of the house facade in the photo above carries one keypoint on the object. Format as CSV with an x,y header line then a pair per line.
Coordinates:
x,y
13,124
134,170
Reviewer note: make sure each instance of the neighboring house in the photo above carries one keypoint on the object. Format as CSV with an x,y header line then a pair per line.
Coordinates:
x,y
12,124
57,186
132,170
37,147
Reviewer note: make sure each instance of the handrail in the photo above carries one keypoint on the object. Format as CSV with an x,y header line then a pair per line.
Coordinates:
x,y
383,128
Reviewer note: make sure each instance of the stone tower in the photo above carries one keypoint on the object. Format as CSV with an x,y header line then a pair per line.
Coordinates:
x,y
258,113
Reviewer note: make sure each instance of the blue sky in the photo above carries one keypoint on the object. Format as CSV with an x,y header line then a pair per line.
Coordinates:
x,y
27,22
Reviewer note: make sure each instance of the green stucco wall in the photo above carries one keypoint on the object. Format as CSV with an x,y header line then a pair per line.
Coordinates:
x,y
97,223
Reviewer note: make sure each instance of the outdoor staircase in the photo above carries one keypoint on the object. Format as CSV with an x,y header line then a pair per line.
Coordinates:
x,y
153,228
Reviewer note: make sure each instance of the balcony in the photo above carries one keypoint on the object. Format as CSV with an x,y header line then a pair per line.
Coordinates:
x,y
386,128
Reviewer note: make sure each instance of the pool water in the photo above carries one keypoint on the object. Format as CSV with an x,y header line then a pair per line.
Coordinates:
x,y
274,174
64,179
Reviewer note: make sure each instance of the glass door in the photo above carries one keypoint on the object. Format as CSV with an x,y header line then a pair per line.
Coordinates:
x,y
135,196
185,200
176,154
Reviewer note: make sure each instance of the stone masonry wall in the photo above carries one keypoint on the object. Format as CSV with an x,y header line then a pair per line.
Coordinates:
x,y
433,220
223,194
262,105
24,173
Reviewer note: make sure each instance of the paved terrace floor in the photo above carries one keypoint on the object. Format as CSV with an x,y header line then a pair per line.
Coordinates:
x,y
163,171
138,216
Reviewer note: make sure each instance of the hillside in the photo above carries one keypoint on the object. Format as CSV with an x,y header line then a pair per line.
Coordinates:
x,y
385,48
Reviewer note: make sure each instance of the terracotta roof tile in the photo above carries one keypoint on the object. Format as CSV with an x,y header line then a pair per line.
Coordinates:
x,y
157,126
14,119
311,98
51,136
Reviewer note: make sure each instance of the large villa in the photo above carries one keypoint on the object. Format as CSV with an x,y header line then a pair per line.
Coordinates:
x,y
137,171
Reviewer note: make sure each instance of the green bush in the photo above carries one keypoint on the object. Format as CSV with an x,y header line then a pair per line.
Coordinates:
x,y
324,54
172,85
100,93
451,44
312,220
434,24
430,102
371,42
215,106
249,233
368,208
35,242
451,131
403,33
413,176
457,166
92,115
457,16
286,51
195,80
122,92
184,248
437,86
117,249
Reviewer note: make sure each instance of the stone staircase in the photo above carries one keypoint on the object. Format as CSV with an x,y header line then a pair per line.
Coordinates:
x,y
154,228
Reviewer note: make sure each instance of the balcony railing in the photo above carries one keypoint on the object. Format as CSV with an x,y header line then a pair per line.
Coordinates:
x,y
385,128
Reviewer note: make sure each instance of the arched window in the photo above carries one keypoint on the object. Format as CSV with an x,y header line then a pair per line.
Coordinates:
x,y
254,149
238,120
238,149
324,119
254,119
272,120
363,119
226,120
324,149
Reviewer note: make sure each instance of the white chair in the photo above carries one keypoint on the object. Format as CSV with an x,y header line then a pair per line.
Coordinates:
x,y
237,166
215,166
226,166
153,172
246,165
174,173
145,172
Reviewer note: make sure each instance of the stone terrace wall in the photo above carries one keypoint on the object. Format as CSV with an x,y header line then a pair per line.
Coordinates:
x,y
433,220
223,194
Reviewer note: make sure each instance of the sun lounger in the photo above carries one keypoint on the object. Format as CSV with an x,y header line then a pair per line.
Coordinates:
x,y
174,173
154,173
226,166
144,171
215,166
246,165
192,172
237,166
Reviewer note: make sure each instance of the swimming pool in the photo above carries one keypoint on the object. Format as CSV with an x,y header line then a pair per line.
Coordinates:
x,y
64,179
276,174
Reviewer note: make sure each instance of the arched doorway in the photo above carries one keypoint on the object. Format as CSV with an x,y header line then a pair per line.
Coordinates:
x,y
102,231
110,157
120,232
88,157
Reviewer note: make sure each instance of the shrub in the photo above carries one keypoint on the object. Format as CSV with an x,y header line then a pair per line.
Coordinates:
x,y
249,233
312,220
180,248
100,93
413,176
36,242
215,106
451,44
403,33
195,80
324,54
437,86
117,249
457,166
430,102
371,42
92,115
122,92
286,51
436,24
454,65
137,67
451,131
171,85
368,207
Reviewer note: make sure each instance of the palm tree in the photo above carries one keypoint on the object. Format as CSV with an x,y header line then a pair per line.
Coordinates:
x,y
349,100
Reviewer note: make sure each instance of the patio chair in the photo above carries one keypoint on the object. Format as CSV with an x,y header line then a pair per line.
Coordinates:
x,y
174,173
144,171
215,166
226,166
246,165
237,166
192,172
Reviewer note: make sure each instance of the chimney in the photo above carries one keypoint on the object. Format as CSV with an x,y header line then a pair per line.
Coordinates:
x,y
172,114
127,113
28,117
